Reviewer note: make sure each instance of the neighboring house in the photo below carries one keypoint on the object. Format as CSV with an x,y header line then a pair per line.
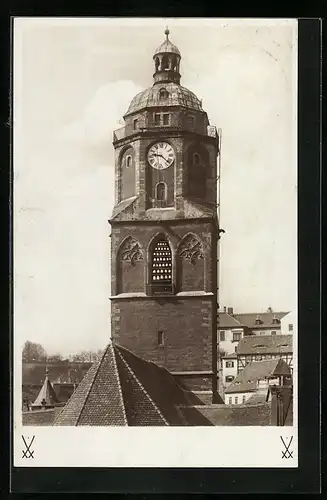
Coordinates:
x,y
229,368
289,323
254,348
234,327
256,379
230,332
267,323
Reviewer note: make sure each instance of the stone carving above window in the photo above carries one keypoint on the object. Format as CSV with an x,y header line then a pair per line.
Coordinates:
x,y
191,249
131,251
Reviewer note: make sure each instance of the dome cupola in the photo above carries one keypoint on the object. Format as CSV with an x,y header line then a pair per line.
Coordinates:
x,y
167,61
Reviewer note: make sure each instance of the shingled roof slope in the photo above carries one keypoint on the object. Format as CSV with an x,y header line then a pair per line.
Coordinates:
x,y
123,389
249,319
231,415
265,344
246,380
226,320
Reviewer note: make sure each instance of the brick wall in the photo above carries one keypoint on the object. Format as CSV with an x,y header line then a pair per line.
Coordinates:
x,y
186,323
199,276
130,277
127,187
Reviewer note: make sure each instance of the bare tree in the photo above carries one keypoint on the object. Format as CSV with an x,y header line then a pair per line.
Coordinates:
x,y
33,352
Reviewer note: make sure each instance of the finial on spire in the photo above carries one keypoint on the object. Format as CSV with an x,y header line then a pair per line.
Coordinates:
x,y
167,32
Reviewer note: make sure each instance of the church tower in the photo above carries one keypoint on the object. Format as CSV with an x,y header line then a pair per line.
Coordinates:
x,y
164,229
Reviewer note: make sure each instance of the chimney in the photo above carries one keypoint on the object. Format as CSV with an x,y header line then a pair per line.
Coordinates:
x,y
258,320
230,310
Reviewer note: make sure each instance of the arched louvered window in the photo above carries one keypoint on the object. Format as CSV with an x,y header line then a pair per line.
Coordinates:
x,y
161,270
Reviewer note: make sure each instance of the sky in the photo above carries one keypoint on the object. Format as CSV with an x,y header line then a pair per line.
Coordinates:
x,y
73,81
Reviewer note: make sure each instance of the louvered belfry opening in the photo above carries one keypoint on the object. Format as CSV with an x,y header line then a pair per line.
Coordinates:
x,y
161,272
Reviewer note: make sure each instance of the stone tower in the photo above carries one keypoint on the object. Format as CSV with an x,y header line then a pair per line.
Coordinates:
x,y
164,228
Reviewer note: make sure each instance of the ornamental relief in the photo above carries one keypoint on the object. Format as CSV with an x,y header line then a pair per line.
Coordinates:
x,y
191,249
131,251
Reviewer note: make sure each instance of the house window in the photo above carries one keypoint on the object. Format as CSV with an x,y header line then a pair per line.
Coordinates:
x,y
236,400
128,161
273,332
161,338
290,328
229,364
135,123
161,191
222,336
230,401
157,118
236,336
165,118
229,378
243,399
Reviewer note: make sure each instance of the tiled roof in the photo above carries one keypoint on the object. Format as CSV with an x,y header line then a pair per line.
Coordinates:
x,y
178,96
249,319
257,398
46,396
231,355
236,415
226,320
246,380
167,47
38,417
265,344
123,389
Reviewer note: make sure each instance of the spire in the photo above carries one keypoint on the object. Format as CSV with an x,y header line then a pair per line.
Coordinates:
x,y
47,397
167,61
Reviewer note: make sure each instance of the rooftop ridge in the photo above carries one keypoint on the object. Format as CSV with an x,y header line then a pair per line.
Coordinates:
x,y
119,384
260,313
141,386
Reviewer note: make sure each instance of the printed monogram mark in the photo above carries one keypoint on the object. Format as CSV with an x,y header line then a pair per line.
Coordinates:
x,y
287,453
28,453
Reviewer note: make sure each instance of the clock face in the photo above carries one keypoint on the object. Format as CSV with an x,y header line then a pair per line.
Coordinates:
x,y
161,155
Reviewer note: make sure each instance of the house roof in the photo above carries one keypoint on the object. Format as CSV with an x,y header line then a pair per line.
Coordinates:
x,y
232,415
231,355
246,380
265,344
266,318
39,417
122,389
46,396
226,320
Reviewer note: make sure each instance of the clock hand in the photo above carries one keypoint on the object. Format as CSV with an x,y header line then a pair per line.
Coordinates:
x,y
163,157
